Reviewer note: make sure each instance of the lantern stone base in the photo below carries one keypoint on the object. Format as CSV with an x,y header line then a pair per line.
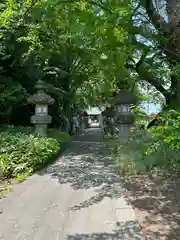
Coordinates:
x,y
125,118
124,123
83,126
84,123
41,122
41,130
124,130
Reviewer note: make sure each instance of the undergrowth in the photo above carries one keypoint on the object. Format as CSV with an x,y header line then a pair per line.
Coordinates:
x,y
147,151
22,153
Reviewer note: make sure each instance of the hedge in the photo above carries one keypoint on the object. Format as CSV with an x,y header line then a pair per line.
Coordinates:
x,y
23,153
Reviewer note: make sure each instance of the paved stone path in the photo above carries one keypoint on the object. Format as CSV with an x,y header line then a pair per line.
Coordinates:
x,y
79,197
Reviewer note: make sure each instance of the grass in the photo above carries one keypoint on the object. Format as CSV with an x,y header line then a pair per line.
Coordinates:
x,y
129,156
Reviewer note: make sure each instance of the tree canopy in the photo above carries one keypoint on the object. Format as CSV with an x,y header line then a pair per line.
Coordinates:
x,y
84,49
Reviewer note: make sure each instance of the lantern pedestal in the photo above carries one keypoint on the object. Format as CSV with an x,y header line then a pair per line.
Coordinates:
x,y
124,115
41,122
83,124
41,130
124,130
124,122
41,100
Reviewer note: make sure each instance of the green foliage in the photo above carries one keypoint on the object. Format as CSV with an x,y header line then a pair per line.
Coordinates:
x,y
23,153
63,43
166,139
129,157
81,49
12,95
158,149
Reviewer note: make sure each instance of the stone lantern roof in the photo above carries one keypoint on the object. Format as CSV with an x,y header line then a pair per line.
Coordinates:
x,y
109,112
41,97
124,96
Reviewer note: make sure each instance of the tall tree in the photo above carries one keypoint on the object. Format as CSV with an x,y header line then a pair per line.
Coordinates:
x,y
71,45
158,24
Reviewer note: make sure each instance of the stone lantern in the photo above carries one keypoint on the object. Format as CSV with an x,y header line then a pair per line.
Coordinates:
x,y
124,116
41,100
84,120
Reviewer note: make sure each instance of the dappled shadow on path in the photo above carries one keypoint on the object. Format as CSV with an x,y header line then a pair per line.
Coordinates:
x,y
87,164
157,204
127,231
83,169
106,190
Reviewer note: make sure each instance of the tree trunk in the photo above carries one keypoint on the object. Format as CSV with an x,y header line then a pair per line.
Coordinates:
x,y
168,29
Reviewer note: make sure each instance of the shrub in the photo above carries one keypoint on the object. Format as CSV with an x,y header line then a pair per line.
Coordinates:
x,y
129,156
22,153
166,140
157,149
61,137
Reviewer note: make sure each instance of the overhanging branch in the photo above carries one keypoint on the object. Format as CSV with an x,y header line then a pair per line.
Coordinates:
x,y
144,74
156,19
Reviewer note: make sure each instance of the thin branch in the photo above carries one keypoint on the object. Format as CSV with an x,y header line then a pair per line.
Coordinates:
x,y
147,76
29,9
55,89
156,19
